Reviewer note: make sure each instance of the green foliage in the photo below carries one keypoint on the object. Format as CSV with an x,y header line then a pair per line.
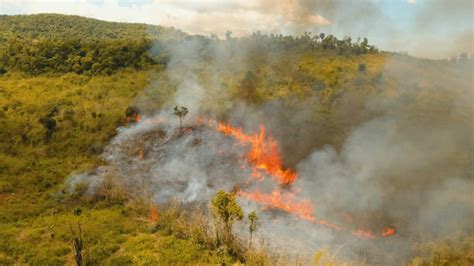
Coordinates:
x,y
48,123
75,55
52,43
248,88
88,72
226,207
33,215
100,253
56,26
253,223
183,238
226,212
131,111
49,43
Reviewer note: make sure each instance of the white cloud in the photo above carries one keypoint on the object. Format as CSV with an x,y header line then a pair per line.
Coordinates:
x,y
339,17
193,16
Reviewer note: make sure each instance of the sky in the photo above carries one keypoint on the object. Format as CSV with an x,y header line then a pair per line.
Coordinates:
x,y
423,28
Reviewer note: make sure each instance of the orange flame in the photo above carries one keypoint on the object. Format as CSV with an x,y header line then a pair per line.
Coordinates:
x,y
364,234
388,231
263,153
287,202
138,118
283,201
264,156
154,213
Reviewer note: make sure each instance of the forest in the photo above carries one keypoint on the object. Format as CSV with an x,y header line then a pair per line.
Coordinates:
x,y
53,49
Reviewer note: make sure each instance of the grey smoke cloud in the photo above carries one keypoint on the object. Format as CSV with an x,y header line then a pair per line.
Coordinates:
x,y
404,161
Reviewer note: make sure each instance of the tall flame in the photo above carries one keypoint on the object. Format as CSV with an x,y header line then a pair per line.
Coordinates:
x,y
154,213
263,153
264,157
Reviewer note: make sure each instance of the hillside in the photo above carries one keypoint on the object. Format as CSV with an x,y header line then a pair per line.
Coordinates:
x,y
49,43
311,93
55,26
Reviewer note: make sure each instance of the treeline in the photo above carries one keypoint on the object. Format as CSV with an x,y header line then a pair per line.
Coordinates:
x,y
310,42
91,57
53,43
74,55
49,43
56,26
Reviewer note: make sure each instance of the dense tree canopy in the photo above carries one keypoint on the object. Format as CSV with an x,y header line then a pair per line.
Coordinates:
x,y
49,43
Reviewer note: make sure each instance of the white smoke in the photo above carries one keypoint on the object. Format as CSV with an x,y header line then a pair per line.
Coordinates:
x,y
402,163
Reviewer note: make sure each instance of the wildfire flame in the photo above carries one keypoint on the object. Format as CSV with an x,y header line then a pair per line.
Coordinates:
x,y
153,213
282,201
264,157
263,153
138,118
388,231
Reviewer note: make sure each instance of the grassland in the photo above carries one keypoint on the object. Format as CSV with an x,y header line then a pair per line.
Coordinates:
x,y
53,125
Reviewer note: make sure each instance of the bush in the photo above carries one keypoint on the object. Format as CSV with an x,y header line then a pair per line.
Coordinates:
x,y
5,260
97,254
48,123
119,260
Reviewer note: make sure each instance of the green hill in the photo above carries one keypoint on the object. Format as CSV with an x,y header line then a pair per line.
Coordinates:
x,y
50,43
55,26
68,81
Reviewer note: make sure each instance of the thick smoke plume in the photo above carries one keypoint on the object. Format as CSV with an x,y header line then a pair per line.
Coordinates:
x,y
398,156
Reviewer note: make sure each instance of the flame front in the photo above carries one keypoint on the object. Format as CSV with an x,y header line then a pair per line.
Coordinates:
x,y
283,201
264,156
153,213
388,231
263,153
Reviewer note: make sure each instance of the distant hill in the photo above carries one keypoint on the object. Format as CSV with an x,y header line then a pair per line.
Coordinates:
x,y
56,26
53,43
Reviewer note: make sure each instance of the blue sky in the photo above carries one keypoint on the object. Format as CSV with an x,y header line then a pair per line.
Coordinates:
x,y
425,28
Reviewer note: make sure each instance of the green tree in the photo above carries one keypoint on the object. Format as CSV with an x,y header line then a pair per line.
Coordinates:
x,y
253,224
50,125
227,211
364,45
322,36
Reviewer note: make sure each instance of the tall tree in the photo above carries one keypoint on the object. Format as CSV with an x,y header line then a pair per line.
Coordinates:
x,y
227,211
180,112
253,224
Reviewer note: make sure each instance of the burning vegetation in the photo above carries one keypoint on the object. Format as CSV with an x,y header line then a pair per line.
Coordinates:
x,y
351,192
252,165
263,155
278,145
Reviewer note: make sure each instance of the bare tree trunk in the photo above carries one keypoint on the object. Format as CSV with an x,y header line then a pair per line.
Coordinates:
x,y
77,244
250,242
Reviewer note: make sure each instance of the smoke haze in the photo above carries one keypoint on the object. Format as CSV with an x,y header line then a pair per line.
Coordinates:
x,y
396,153
394,148
424,28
